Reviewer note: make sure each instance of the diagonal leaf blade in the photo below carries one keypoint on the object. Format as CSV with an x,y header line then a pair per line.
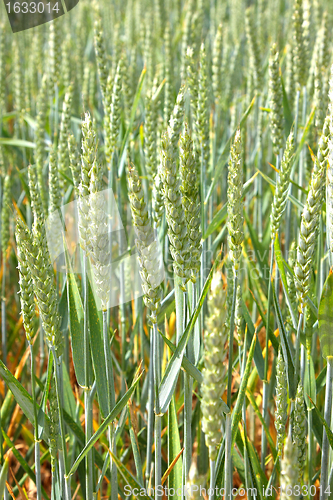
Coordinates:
x,y
258,357
325,317
285,347
97,353
323,421
175,478
280,263
168,383
23,398
309,383
130,125
225,153
103,427
186,364
222,213
127,476
75,318
237,413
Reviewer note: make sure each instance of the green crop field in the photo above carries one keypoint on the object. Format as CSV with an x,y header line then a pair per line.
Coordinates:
x,y
166,197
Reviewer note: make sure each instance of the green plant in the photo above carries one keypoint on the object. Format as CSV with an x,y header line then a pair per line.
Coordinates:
x,y
167,305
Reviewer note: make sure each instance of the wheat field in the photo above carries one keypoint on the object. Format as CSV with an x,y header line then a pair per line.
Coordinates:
x,y
166,196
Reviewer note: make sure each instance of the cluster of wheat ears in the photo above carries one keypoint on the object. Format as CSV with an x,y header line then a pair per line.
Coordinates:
x,y
166,195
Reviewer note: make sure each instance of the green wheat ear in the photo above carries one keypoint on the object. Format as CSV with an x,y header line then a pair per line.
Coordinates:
x,y
64,132
214,370
151,124
319,100
98,234
329,177
253,48
275,90
149,258
235,201
168,102
289,471
54,51
310,217
88,155
74,160
115,112
290,75
202,112
300,66
53,414
158,199
190,199
281,414
54,185
282,186
53,222
100,50
37,256
217,64
26,289
195,479
39,134
5,215
299,431
175,214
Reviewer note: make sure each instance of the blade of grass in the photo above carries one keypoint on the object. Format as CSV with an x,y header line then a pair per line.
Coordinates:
x,y
3,477
186,364
130,125
97,352
20,143
130,480
325,318
292,198
170,377
174,449
21,461
324,423
75,309
258,357
225,152
135,444
262,421
22,398
222,213
290,367
104,426
237,412
280,263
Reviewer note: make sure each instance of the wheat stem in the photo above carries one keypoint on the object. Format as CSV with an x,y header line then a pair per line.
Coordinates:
x,y
212,465
111,398
265,381
87,376
37,445
3,312
65,480
151,398
327,415
158,418
228,458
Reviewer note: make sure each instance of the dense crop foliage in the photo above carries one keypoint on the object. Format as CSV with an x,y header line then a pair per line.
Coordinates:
x,y
166,195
